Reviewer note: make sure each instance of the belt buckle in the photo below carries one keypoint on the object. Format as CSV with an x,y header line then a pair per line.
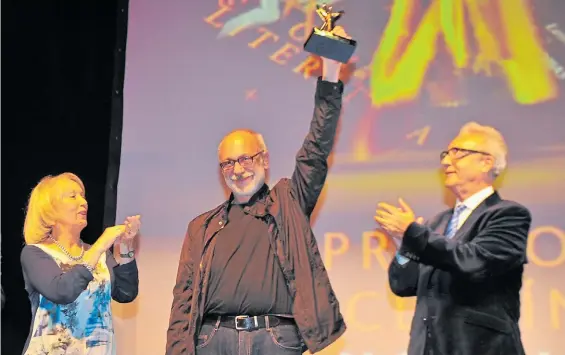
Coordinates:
x,y
237,319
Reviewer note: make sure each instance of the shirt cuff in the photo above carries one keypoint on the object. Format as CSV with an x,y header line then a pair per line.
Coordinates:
x,y
127,267
415,239
402,260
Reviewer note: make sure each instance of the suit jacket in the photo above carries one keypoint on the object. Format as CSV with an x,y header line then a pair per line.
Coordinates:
x,y
467,287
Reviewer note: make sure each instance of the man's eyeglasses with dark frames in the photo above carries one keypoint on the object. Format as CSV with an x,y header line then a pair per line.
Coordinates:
x,y
245,161
459,153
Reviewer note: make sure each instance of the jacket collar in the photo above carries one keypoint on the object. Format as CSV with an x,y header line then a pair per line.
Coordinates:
x,y
257,197
257,206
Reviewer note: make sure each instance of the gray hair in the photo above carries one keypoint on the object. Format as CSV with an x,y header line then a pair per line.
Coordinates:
x,y
495,143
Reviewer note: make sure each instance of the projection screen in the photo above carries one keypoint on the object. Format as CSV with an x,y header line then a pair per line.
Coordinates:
x,y
198,69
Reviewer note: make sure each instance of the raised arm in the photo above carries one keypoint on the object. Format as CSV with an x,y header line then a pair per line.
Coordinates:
x,y
125,285
497,248
43,274
312,159
182,299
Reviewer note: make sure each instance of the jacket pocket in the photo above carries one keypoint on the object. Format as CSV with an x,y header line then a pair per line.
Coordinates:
x,y
486,320
206,335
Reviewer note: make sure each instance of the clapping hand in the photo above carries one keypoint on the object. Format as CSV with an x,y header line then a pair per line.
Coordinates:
x,y
104,242
395,220
110,235
132,224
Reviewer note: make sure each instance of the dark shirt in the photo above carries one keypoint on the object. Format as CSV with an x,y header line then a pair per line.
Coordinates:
x,y
245,276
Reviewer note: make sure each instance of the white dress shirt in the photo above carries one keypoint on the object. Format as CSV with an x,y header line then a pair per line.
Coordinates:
x,y
472,202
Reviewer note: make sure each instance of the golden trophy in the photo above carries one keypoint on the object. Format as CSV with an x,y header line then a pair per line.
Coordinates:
x,y
324,43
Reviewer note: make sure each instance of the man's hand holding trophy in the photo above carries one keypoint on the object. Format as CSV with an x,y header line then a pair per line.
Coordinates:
x,y
324,42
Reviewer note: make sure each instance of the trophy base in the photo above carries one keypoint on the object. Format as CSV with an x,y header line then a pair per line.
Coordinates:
x,y
327,45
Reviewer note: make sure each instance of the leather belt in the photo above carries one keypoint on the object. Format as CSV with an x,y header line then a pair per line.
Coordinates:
x,y
248,323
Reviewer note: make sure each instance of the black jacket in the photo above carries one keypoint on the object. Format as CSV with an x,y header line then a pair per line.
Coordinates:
x,y
287,209
468,287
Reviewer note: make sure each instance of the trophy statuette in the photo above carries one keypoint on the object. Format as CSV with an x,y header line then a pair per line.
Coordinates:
x,y
324,43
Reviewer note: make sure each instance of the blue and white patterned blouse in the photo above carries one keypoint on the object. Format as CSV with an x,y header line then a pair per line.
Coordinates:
x,y
71,307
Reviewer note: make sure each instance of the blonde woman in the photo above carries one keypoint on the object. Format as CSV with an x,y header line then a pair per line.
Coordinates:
x,y
71,284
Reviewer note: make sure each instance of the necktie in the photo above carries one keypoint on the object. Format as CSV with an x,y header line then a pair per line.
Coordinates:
x,y
454,221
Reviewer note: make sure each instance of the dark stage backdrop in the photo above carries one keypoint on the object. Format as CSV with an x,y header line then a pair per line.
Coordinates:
x,y
62,71
424,69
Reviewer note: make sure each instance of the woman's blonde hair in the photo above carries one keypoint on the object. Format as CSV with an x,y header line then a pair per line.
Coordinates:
x,y
41,213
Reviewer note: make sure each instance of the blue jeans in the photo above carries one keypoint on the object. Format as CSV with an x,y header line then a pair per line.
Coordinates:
x,y
279,340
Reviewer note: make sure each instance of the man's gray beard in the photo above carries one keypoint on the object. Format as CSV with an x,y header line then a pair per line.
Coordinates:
x,y
231,183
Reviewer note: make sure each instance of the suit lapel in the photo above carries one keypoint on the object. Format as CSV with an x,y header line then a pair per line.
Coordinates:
x,y
440,224
443,222
462,232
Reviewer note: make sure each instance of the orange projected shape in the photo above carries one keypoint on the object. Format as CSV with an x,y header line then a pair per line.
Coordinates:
x,y
358,84
557,306
308,67
265,34
420,134
308,10
299,5
362,73
290,5
213,17
357,89
222,3
250,94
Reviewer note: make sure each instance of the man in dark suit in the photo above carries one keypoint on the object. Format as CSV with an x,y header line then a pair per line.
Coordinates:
x,y
465,265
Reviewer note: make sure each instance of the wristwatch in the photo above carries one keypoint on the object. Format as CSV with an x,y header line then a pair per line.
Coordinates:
x,y
129,254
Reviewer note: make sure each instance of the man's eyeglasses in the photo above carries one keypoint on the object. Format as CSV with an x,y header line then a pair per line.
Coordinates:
x,y
246,161
459,153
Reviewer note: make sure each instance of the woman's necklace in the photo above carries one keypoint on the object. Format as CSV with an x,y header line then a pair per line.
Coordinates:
x,y
64,250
